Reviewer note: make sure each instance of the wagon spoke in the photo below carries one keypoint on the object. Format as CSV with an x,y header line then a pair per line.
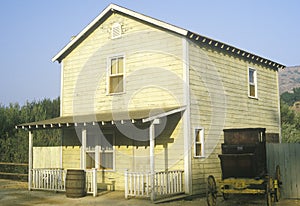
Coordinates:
x,y
211,191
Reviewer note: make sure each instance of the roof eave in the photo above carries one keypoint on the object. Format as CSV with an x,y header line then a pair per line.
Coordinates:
x,y
234,50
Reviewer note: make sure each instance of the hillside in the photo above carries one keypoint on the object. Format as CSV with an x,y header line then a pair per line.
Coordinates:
x,y
289,78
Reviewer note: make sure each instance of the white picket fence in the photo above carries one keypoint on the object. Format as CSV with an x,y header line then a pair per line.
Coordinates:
x,y
49,179
55,180
138,184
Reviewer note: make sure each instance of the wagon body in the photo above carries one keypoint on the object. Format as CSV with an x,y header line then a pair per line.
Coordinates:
x,y
244,167
244,153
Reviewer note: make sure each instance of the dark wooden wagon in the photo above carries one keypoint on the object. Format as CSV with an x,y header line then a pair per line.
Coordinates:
x,y
244,167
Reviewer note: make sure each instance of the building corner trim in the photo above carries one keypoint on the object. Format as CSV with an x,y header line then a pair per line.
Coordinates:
x,y
186,117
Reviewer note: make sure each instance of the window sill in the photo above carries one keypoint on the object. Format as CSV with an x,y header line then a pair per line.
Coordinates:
x,y
104,170
251,97
199,157
115,94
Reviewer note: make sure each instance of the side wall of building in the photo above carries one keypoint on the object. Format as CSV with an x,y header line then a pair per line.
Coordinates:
x,y
219,100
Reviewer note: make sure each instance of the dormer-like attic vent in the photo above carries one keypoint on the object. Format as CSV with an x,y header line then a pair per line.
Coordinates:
x,y
116,31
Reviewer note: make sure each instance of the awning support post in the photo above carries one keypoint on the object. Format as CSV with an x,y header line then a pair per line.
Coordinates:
x,y
83,149
30,159
152,156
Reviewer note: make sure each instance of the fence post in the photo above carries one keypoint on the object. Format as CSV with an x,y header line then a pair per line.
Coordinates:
x,y
95,189
126,183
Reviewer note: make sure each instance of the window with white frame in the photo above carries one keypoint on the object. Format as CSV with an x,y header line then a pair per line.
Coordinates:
x,y
100,151
116,30
199,143
252,83
116,75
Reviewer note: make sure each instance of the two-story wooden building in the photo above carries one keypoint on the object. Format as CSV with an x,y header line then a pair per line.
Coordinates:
x,y
145,103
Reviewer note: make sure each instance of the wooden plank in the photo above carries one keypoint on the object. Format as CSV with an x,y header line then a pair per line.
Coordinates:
x,y
13,174
284,170
13,163
292,162
297,169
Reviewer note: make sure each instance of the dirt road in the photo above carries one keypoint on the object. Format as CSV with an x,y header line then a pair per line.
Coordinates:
x,y
16,193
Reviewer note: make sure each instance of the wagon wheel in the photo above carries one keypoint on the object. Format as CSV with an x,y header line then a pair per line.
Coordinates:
x,y
225,195
211,194
270,191
278,179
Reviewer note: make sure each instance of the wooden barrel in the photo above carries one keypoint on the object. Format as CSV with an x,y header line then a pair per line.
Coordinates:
x,y
75,183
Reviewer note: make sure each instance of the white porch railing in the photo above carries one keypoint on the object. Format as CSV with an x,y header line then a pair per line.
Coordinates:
x,y
49,179
138,184
91,181
55,180
170,182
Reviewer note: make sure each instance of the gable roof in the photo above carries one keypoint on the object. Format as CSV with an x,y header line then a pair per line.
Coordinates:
x,y
197,38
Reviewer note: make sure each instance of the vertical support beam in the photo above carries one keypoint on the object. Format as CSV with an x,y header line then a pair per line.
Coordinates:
x,y
186,118
126,183
278,99
61,148
83,149
152,159
30,159
95,189
97,156
166,167
61,87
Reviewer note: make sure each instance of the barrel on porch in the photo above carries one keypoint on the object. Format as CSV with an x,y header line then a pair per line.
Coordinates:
x,y
75,183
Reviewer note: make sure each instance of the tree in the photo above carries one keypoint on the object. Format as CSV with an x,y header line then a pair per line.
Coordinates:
x,y
14,143
290,120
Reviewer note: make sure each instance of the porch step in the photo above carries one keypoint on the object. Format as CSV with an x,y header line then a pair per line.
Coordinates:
x,y
173,198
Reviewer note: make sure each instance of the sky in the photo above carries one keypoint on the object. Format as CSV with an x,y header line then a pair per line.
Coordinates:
x,y
33,31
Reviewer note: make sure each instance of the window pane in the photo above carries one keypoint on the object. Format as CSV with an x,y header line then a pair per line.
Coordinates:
x,y
106,160
198,136
113,68
251,75
116,84
198,150
90,160
120,65
252,90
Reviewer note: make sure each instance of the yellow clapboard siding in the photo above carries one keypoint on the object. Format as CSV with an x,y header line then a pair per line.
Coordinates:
x,y
219,92
146,49
71,157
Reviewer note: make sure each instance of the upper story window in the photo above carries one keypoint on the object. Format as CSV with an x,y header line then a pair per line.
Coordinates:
x,y
252,83
116,75
199,143
116,30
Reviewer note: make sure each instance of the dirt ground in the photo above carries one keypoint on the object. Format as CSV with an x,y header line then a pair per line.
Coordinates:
x,y
15,193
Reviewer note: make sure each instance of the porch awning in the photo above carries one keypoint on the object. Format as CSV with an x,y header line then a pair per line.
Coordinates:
x,y
144,115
